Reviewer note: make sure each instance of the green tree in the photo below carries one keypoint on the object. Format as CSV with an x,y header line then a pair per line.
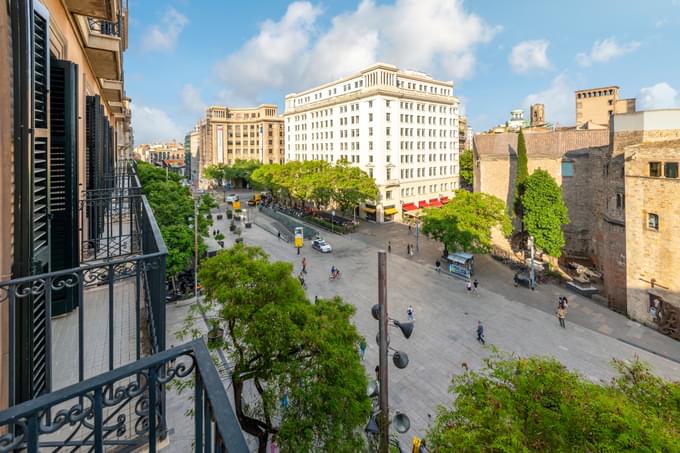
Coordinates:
x,y
352,186
522,173
215,172
544,212
466,167
287,348
536,405
466,221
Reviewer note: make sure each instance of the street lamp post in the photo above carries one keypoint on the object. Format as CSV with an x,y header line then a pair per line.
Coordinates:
x,y
532,272
418,234
382,363
196,251
332,220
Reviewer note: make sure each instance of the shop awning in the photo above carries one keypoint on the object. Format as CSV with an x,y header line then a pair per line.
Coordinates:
x,y
435,203
391,211
423,204
369,209
409,207
444,200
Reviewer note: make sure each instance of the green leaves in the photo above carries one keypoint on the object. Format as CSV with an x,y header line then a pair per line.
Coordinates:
x,y
544,212
466,221
240,169
536,404
319,182
466,167
522,173
290,347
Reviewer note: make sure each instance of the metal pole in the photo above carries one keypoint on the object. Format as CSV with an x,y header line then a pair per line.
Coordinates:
x,y
532,274
382,332
196,251
417,235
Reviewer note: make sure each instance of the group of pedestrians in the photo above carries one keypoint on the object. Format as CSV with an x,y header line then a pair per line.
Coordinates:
x,y
410,249
472,286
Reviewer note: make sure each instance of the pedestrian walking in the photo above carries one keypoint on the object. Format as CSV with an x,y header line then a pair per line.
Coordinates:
x,y
389,246
409,228
304,264
561,315
316,299
408,249
278,235
412,248
469,287
362,348
480,332
475,284
409,312
438,266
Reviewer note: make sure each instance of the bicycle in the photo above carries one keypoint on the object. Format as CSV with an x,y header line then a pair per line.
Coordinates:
x,y
334,276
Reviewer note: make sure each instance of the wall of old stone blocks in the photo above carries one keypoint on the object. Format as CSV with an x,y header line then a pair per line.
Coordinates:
x,y
653,256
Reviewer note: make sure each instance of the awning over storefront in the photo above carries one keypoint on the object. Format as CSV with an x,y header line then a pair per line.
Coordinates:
x,y
409,207
460,258
435,203
391,211
423,204
369,209
444,200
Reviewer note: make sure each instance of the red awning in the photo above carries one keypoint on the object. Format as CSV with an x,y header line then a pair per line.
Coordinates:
x,y
423,204
409,207
444,200
435,203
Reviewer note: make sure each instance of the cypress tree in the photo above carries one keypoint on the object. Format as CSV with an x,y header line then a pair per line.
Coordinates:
x,y
522,173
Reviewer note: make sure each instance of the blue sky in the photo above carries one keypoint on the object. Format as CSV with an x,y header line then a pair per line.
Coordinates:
x,y
186,54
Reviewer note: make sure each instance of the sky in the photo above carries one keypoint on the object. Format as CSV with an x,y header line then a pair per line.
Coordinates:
x,y
184,55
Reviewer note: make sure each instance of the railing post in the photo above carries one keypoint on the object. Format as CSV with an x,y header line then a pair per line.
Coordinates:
x,y
198,412
153,378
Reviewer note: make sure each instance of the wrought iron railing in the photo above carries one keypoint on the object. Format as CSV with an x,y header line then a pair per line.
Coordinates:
x,y
105,27
125,410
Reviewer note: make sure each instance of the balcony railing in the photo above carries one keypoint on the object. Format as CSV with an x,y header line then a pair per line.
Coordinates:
x,y
125,409
105,27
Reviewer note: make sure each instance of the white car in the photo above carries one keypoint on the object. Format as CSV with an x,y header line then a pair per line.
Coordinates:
x,y
232,197
322,246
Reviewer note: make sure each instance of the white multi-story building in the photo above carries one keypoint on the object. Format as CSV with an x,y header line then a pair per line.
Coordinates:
x,y
401,127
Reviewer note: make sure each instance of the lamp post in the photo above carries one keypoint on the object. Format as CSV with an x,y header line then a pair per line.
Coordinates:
x,y
196,251
532,272
332,220
418,234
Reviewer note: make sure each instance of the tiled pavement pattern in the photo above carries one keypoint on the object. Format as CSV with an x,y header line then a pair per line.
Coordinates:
x,y
515,319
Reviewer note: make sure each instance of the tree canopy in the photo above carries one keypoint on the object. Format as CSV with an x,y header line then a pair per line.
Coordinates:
x,y
288,349
466,221
240,169
466,167
317,181
544,212
537,405
522,172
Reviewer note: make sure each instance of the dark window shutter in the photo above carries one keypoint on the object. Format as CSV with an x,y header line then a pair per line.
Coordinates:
x,y
64,247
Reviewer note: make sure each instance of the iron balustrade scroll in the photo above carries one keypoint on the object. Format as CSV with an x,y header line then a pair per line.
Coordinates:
x,y
124,409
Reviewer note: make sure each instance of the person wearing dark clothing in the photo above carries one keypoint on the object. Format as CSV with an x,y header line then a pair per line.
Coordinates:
x,y
389,246
278,235
480,332
438,265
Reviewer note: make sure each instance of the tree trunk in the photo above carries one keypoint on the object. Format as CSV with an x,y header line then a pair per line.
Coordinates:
x,y
249,425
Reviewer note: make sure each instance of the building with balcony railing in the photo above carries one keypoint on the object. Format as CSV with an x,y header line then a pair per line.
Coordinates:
x,y
82,261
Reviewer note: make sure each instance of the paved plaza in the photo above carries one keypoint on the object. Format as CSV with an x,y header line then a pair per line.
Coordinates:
x,y
515,319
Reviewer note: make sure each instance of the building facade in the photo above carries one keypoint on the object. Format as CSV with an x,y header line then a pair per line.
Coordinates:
x,y
400,127
650,144
156,153
594,106
65,124
229,134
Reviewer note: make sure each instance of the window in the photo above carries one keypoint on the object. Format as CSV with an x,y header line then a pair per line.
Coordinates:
x,y
670,169
387,103
619,201
370,104
655,169
387,130
387,116
370,117
388,195
567,168
653,221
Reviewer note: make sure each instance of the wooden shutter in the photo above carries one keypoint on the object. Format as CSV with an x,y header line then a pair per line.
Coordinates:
x,y
64,247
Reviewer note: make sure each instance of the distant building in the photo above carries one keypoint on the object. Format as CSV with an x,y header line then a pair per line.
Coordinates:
x,y
537,115
514,124
594,106
192,155
156,153
401,127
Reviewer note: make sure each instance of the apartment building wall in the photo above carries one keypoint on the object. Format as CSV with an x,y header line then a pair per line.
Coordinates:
x,y
652,213
229,134
400,127
43,168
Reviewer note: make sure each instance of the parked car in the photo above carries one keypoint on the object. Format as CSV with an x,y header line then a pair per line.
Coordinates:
x,y
252,202
322,246
523,279
232,197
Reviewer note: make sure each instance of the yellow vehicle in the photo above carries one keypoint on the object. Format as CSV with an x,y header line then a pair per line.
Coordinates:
x,y
237,204
299,237
258,198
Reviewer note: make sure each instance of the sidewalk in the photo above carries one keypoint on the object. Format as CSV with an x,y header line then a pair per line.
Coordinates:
x,y
497,278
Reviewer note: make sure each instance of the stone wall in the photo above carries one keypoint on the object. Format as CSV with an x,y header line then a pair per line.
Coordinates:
x,y
653,256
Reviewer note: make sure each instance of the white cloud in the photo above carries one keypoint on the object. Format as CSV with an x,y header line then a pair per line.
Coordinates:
x,y
427,35
151,125
558,100
605,50
659,96
528,55
163,37
191,99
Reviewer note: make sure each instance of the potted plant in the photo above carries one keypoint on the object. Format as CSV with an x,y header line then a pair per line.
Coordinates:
x,y
229,214
215,334
219,237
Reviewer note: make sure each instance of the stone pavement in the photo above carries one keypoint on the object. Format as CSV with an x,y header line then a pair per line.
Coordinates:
x,y
446,318
497,277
